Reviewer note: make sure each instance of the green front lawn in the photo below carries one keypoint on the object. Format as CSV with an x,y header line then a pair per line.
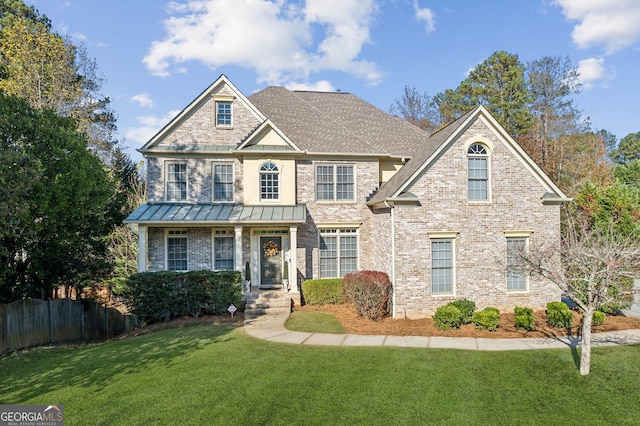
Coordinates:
x,y
214,374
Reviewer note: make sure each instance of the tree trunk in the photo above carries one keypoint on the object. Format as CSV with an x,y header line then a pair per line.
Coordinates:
x,y
585,359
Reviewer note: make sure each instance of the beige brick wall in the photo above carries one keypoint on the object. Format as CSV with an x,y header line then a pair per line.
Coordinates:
x,y
480,244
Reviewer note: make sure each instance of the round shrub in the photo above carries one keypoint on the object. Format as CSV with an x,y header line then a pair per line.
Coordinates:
x,y
598,318
524,318
559,315
486,319
447,317
369,291
467,308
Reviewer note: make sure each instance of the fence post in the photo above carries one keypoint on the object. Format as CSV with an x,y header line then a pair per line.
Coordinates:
x,y
50,320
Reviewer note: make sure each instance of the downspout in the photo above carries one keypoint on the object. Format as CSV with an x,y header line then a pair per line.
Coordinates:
x,y
393,257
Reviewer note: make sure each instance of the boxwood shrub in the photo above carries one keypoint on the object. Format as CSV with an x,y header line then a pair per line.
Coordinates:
x,y
598,318
447,317
467,308
326,291
160,296
524,318
369,291
559,315
486,319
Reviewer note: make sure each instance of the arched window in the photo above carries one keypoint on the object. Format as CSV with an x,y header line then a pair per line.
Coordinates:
x,y
269,181
478,172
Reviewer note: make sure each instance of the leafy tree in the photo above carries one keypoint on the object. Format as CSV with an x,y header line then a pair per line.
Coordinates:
x,y
628,149
54,230
417,108
498,83
610,142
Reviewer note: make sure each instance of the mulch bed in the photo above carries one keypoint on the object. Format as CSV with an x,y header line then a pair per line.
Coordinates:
x,y
353,323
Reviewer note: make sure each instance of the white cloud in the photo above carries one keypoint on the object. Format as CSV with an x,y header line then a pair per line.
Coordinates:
x,y
425,14
149,126
593,70
614,24
283,41
143,100
319,86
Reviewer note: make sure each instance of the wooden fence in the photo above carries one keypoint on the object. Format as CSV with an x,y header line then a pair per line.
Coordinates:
x,y
27,323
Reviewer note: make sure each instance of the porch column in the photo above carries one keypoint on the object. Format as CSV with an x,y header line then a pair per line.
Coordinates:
x,y
238,249
142,248
293,259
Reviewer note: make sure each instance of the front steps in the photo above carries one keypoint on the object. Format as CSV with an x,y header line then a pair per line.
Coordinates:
x,y
267,302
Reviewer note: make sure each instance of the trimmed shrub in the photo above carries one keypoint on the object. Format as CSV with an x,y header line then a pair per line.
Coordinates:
x,y
559,315
467,308
160,296
326,291
447,317
369,291
524,318
486,319
598,318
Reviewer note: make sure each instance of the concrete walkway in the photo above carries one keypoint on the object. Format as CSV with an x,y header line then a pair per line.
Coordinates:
x,y
271,328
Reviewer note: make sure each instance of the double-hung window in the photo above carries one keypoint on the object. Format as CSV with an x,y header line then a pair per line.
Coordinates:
x,y
223,251
335,182
269,182
442,264
338,252
177,250
176,178
223,114
516,278
478,172
223,182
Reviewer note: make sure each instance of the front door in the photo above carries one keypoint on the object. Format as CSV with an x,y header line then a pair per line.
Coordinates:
x,y
271,262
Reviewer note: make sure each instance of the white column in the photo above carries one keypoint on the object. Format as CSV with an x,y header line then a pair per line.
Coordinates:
x,y
142,248
293,259
238,249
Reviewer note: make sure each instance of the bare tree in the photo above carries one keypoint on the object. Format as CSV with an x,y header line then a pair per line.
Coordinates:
x,y
417,108
595,263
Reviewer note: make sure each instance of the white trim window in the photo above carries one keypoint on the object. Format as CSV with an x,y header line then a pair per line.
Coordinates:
x,y
223,182
177,246
335,182
478,172
517,281
338,252
224,115
176,181
223,250
269,182
442,266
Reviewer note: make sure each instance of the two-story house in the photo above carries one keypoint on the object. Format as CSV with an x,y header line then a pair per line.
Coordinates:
x,y
325,184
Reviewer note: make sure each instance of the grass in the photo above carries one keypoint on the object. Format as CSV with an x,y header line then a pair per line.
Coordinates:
x,y
214,374
314,322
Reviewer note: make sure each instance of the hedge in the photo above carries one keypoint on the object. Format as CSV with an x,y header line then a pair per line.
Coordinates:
x,y
160,296
326,291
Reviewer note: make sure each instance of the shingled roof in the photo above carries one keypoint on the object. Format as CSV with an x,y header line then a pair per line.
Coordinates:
x,y
336,122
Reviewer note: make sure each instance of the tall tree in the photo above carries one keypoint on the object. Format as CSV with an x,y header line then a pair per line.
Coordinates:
x,y
498,83
552,81
55,230
628,149
417,108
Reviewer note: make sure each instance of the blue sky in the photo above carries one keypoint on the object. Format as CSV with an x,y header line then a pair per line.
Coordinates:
x,y
158,55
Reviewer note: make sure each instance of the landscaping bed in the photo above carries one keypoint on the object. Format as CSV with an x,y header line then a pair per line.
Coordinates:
x,y
353,323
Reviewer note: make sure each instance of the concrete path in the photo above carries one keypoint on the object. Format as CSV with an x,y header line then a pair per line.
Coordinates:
x,y
271,328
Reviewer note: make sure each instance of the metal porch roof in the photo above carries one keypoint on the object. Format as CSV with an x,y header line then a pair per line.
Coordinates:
x,y
215,214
